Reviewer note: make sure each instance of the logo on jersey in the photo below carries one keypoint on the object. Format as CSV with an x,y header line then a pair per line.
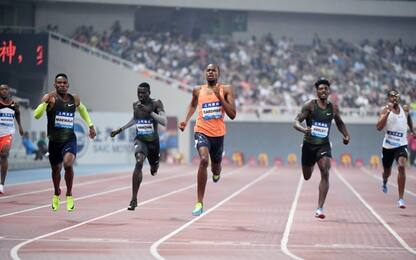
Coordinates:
x,y
64,119
212,110
395,134
144,127
7,119
319,129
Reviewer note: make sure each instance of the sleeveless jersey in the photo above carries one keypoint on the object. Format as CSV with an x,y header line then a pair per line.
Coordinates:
x,y
210,119
320,123
146,126
396,129
7,113
61,120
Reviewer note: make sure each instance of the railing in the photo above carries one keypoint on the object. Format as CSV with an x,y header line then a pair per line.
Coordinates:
x,y
294,110
19,29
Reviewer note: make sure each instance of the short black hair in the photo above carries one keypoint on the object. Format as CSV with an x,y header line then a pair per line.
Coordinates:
x,y
392,92
144,85
322,80
215,65
61,75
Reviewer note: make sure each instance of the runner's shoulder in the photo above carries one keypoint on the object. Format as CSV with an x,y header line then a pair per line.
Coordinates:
x,y
196,90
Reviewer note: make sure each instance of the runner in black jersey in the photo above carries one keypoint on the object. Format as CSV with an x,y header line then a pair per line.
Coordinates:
x,y
147,114
60,107
316,148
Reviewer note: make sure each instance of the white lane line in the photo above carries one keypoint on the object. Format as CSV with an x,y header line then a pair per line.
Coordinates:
x,y
15,249
125,175
285,238
367,172
251,245
350,246
153,248
62,187
93,195
375,214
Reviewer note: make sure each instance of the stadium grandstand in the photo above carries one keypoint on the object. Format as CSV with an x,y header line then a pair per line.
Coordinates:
x,y
270,52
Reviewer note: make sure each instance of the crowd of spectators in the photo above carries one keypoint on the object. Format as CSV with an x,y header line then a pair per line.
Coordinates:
x,y
266,71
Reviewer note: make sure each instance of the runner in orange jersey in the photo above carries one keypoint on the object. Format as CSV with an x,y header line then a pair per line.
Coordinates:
x,y
212,101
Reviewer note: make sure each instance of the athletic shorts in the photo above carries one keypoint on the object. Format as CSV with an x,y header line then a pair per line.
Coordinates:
x,y
311,153
6,141
215,145
151,149
389,155
57,150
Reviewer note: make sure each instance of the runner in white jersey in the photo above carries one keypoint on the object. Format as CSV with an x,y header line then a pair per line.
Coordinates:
x,y
9,111
396,121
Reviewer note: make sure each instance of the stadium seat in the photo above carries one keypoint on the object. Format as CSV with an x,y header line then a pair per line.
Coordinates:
x,y
292,159
263,159
374,161
346,160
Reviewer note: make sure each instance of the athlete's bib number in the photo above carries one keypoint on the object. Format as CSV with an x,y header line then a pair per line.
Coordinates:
x,y
64,120
319,129
394,138
6,119
211,110
144,127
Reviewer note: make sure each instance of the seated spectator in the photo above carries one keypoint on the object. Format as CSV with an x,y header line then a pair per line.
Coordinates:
x,y
42,145
29,146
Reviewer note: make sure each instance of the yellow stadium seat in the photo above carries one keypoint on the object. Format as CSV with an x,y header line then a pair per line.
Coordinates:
x,y
292,159
346,159
263,159
374,161
238,159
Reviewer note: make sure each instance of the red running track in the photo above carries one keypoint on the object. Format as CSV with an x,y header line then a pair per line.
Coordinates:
x,y
252,213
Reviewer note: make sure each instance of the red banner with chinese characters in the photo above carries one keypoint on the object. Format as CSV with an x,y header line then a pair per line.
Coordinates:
x,y
23,52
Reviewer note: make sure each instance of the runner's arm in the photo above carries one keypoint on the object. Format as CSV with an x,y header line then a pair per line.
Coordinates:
x,y
229,102
47,100
382,120
17,118
191,109
124,127
84,114
160,116
341,125
128,125
40,110
304,113
82,110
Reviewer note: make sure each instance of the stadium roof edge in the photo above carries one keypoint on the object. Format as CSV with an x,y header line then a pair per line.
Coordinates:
x,y
336,7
